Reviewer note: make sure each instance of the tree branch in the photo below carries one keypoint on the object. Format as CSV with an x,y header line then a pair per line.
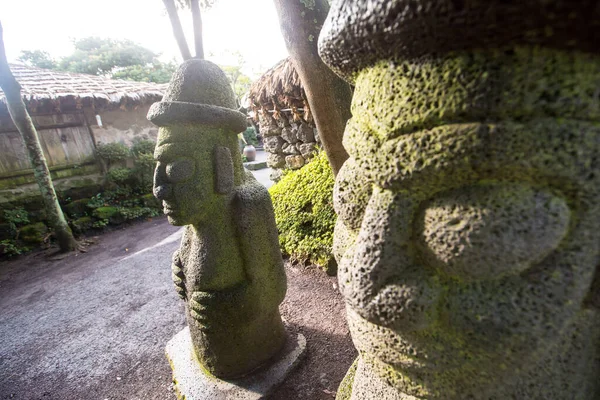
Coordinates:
x,y
197,20
177,29
328,95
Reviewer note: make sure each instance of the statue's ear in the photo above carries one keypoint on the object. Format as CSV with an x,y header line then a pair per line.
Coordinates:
x,y
223,170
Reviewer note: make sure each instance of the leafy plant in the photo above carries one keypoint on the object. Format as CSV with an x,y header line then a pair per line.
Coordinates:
x,y
119,176
138,212
143,147
112,152
15,218
101,223
11,248
97,201
250,136
303,203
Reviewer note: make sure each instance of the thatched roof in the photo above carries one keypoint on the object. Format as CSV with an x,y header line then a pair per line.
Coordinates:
x,y
42,86
279,89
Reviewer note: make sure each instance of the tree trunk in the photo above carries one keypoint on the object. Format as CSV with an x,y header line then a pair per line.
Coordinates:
x,y
328,95
177,29
23,122
197,21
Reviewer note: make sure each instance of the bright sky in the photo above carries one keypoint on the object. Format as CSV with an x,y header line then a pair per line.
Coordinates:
x,y
248,27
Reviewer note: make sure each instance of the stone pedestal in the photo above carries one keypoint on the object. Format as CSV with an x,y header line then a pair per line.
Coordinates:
x,y
192,382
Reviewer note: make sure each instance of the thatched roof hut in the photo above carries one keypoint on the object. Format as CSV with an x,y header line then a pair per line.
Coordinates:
x,y
73,113
279,90
50,90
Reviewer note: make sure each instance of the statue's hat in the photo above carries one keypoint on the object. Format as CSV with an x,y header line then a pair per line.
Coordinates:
x,y
199,92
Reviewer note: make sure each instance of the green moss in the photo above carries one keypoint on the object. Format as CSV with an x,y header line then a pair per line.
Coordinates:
x,y
304,212
111,214
490,85
148,200
420,128
344,391
77,208
105,212
34,233
130,213
10,248
81,225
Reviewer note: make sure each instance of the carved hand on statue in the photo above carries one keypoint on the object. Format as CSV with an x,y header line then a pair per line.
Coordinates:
x,y
232,305
178,275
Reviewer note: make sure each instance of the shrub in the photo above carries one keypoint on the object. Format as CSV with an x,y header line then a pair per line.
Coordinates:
x,y
148,200
111,214
303,202
144,172
77,208
111,152
250,136
83,224
119,176
137,212
11,248
34,233
15,218
143,147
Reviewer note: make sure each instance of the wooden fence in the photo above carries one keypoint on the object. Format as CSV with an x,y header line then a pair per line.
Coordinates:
x,y
65,138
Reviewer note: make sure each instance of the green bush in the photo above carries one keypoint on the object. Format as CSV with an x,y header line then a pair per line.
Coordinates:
x,y
34,233
77,208
250,136
119,176
11,248
83,224
143,147
111,214
144,172
15,218
138,212
111,152
148,200
303,202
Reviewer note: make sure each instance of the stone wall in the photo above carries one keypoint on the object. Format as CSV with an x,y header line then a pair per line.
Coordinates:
x,y
124,126
290,143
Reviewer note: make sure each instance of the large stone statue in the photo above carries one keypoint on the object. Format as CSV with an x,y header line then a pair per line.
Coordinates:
x,y
228,269
468,235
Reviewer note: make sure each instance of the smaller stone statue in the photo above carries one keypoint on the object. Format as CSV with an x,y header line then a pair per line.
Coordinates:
x,y
228,269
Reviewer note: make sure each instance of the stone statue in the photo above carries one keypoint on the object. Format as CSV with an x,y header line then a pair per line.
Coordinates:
x,y
468,236
228,269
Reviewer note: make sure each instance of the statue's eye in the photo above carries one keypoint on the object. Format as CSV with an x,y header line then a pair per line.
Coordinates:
x,y
488,231
180,170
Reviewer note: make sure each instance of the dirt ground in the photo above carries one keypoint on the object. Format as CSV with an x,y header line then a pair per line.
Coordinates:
x,y
94,325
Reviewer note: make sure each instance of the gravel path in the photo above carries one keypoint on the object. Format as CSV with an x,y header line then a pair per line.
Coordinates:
x,y
94,325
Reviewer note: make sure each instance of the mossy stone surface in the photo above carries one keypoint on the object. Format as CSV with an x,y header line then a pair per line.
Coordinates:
x,y
111,214
82,225
33,233
304,213
358,34
228,269
468,237
77,208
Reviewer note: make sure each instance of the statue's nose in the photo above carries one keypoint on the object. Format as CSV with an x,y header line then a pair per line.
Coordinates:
x,y
162,192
